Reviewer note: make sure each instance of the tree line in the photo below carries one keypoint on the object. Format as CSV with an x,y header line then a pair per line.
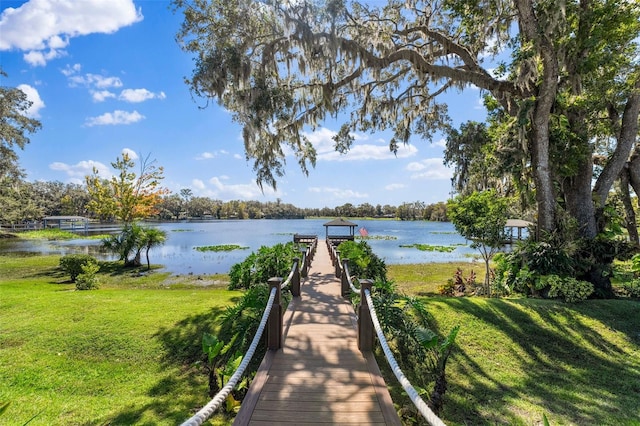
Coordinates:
x,y
32,201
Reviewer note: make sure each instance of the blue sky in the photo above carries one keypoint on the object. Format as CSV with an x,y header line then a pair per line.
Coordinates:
x,y
107,75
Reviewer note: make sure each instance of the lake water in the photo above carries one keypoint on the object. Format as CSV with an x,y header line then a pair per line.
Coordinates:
x,y
179,256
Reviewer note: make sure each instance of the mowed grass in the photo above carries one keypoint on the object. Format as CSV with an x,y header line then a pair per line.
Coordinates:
x,y
124,354
517,360
423,279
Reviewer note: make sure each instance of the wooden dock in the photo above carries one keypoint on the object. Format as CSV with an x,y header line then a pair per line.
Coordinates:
x,y
319,376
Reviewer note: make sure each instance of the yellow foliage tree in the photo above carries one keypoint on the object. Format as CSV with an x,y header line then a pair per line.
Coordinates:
x,y
126,196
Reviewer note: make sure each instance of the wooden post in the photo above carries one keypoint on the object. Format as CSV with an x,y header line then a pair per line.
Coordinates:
x,y
274,323
304,266
345,289
337,265
365,324
295,280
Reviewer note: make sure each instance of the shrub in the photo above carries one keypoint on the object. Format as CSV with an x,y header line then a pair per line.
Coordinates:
x,y
72,264
88,280
570,289
268,262
632,288
363,262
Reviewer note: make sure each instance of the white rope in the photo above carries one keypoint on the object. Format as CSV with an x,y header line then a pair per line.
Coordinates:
x,y
345,270
288,280
206,411
422,406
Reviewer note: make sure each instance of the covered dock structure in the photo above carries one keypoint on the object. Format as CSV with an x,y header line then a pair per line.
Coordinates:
x,y
337,238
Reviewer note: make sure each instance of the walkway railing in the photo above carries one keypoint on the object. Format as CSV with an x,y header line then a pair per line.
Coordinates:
x,y
271,321
368,323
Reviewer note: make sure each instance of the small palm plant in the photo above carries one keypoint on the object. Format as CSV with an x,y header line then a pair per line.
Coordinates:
x,y
152,237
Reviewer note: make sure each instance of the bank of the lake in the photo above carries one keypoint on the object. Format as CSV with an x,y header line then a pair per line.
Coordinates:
x,y
392,240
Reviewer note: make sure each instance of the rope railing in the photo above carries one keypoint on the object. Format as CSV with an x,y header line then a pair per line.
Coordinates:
x,y
422,406
206,411
294,279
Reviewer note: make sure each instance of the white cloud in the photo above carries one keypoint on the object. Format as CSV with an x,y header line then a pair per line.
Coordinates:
x,y
42,28
114,118
34,97
139,95
395,186
441,143
77,172
429,169
69,70
205,156
94,80
338,192
101,95
40,58
218,188
324,145
209,155
131,153
198,185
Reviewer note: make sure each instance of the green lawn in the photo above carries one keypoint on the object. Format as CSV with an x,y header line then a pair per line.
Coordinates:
x,y
519,359
123,354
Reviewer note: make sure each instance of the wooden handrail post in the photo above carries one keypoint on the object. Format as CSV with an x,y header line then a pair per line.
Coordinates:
x,y
337,265
274,323
345,289
304,265
365,324
295,280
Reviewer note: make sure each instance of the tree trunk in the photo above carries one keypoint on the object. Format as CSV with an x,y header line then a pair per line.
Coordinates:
x,y
629,212
579,199
544,100
625,143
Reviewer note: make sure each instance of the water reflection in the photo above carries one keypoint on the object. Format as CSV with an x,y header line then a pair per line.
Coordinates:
x,y
179,255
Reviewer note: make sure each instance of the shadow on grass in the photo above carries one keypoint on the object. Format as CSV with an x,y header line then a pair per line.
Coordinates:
x,y
566,368
176,397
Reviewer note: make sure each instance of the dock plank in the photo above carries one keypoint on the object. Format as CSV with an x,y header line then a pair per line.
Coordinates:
x,y
319,377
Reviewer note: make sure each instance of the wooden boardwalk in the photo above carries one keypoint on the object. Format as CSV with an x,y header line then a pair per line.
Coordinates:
x,y
319,376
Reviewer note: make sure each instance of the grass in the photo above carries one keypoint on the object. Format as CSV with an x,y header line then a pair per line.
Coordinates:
x,y
424,279
519,359
124,354
56,235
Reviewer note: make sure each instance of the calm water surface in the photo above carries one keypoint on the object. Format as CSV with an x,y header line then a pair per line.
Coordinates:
x,y
179,256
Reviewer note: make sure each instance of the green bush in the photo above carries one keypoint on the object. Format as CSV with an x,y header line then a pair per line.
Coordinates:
x,y
267,262
632,288
72,264
88,280
570,289
363,262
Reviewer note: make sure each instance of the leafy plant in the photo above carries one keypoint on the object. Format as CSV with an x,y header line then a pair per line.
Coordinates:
x,y
421,353
363,262
481,218
73,264
213,348
632,288
132,239
88,279
570,289
267,262
437,351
